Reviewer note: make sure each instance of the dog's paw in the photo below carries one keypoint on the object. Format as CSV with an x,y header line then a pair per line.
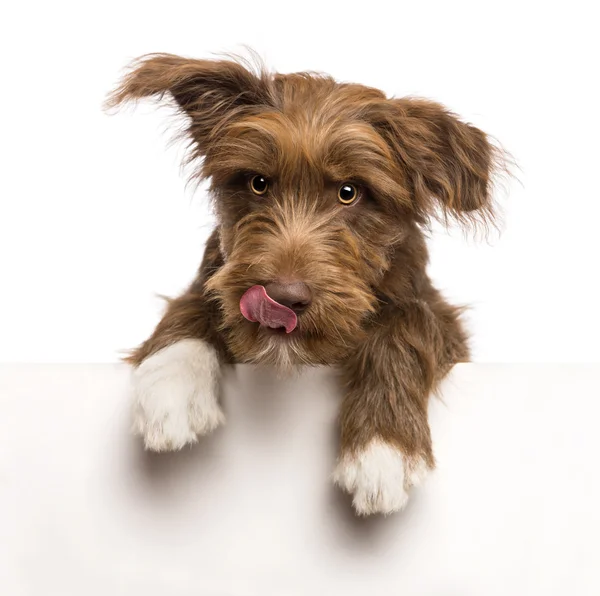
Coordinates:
x,y
379,477
176,395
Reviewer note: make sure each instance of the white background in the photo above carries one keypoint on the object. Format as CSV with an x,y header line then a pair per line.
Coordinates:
x,y
95,218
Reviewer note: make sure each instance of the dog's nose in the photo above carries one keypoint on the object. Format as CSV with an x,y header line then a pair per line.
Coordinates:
x,y
293,294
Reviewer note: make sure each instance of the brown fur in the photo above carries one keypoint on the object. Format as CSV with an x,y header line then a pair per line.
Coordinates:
x,y
374,313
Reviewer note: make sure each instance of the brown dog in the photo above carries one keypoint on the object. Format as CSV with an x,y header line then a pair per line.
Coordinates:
x,y
321,191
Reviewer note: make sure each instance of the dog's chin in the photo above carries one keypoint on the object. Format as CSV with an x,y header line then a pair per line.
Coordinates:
x,y
281,353
285,353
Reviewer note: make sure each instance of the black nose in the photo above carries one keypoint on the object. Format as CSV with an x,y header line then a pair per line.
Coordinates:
x,y
293,294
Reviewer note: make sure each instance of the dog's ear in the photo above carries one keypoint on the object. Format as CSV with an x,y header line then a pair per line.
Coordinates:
x,y
210,92
444,159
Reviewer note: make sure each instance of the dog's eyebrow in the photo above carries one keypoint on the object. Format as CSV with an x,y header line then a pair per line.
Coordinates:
x,y
222,166
355,151
262,143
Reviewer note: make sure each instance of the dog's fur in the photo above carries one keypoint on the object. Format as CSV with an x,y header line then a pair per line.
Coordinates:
x,y
375,313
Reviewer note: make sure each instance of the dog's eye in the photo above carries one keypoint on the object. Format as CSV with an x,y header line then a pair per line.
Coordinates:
x,y
259,185
347,193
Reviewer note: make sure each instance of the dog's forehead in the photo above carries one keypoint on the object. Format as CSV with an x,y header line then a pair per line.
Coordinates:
x,y
315,128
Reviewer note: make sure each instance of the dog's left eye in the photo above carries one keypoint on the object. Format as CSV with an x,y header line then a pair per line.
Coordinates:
x,y
347,193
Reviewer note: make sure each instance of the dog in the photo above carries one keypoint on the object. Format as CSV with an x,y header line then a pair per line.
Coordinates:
x,y
323,193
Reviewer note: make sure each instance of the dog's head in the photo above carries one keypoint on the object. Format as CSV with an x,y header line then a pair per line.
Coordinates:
x,y
320,190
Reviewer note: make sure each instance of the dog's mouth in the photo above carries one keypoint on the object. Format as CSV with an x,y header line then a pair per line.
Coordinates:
x,y
258,307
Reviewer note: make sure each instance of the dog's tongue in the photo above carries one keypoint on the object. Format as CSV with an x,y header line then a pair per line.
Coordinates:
x,y
258,307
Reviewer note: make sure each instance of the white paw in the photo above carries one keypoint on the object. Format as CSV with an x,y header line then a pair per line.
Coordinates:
x,y
176,395
378,477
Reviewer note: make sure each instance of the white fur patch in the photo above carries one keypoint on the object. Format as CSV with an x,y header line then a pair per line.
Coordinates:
x,y
378,477
176,395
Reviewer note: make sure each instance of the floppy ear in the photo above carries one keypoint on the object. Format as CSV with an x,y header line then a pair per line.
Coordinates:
x,y
210,92
443,158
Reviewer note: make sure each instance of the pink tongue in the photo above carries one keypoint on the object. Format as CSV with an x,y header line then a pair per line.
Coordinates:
x,y
258,307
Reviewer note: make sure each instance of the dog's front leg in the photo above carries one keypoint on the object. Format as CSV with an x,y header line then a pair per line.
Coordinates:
x,y
385,437
177,369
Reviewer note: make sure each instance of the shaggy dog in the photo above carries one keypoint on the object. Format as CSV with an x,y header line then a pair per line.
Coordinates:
x,y
322,192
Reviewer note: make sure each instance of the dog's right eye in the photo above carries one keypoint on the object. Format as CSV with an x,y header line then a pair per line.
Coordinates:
x,y
259,184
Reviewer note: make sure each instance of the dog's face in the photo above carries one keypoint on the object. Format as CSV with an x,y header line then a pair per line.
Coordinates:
x,y
319,189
